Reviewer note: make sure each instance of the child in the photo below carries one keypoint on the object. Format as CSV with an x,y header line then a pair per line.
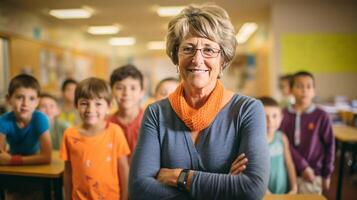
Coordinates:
x,y
25,129
68,111
165,87
95,151
48,105
282,177
284,86
309,131
127,88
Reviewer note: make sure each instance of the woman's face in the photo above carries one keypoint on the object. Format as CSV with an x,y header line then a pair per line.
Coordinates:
x,y
198,70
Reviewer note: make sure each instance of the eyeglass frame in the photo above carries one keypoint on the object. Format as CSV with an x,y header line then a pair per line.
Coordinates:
x,y
202,54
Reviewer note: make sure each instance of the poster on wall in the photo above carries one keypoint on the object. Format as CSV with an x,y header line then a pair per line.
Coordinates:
x,y
43,67
49,63
4,68
82,68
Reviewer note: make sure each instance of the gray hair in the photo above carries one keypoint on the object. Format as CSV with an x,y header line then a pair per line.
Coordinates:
x,y
207,21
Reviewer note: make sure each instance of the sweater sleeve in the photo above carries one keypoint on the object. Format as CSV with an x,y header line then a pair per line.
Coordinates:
x,y
146,164
286,127
252,183
329,146
299,161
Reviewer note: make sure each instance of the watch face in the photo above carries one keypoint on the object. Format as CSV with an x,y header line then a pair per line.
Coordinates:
x,y
182,179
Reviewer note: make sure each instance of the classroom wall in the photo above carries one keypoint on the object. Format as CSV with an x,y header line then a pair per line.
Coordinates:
x,y
16,21
21,22
311,18
49,52
51,64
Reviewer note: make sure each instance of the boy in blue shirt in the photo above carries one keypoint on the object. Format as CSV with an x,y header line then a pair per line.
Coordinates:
x,y
24,129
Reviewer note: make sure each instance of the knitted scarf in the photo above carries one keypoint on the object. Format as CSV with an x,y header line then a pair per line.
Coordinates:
x,y
201,118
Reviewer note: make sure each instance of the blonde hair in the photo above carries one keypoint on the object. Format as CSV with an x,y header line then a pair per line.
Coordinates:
x,y
208,21
92,88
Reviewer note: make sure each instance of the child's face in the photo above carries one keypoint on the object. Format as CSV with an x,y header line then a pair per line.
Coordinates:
x,y
303,90
23,102
285,87
273,118
127,93
92,111
166,89
68,93
49,107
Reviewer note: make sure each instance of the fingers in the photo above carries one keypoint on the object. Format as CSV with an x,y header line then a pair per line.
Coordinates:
x,y
238,170
239,166
240,157
309,178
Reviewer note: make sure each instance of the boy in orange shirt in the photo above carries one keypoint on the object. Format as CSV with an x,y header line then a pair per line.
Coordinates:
x,y
95,152
127,87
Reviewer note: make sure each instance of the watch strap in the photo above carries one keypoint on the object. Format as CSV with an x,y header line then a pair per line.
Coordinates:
x,y
182,179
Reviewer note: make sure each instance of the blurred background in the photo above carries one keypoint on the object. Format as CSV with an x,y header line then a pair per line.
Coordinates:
x,y
286,36
276,37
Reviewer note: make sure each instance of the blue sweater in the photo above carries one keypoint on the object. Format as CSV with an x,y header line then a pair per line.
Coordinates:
x,y
165,142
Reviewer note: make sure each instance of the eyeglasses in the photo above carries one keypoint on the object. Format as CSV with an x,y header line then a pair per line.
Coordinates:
x,y
206,52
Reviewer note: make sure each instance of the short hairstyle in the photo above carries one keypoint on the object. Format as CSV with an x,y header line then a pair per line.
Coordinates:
x,y
286,77
299,74
268,101
67,82
92,88
168,79
48,95
207,21
124,72
23,81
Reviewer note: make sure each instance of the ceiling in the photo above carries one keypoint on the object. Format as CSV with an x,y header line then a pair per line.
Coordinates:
x,y
138,18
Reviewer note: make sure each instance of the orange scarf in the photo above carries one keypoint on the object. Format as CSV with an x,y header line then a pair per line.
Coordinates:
x,y
197,119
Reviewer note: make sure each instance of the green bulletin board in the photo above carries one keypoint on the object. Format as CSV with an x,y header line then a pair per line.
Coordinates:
x,y
319,52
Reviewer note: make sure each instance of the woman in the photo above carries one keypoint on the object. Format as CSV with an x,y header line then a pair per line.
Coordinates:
x,y
189,143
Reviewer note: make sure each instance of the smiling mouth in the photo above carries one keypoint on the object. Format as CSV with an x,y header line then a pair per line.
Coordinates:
x,y
197,70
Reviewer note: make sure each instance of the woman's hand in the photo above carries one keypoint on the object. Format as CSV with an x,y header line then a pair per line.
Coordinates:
x,y
5,158
168,176
239,165
308,174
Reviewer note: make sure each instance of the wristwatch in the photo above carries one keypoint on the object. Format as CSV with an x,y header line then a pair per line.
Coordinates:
x,y
182,179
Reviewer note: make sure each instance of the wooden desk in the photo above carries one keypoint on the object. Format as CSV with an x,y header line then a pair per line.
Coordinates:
x,y
347,136
294,197
48,174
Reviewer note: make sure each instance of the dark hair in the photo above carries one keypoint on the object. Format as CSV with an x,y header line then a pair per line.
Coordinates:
x,y
92,88
268,101
299,74
24,81
124,72
168,79
286,77
50,96
67,82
